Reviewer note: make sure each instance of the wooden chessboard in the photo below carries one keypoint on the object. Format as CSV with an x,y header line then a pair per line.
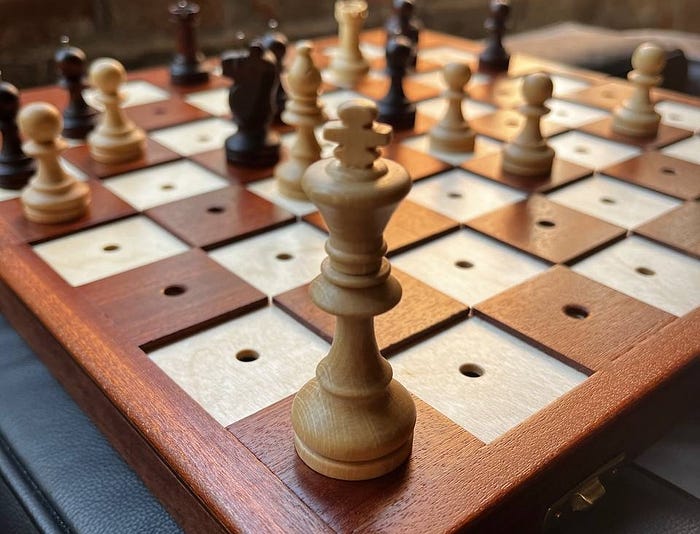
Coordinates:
x,y
547,329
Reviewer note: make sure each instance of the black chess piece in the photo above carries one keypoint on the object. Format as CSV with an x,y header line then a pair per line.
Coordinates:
x,y
403,21
494,57
276,43
187,66
252,100
15,166
78,117
395,109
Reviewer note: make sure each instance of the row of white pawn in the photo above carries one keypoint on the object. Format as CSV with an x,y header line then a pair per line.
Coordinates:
x,y
53,195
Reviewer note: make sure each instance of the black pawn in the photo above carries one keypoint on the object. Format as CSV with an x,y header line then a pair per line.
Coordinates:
x,y
276,43
15,166
186,67
494,57
395,109
404,22
252,100
78,117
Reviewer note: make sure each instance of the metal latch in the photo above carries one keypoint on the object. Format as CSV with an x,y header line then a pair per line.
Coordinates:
x,y
584,495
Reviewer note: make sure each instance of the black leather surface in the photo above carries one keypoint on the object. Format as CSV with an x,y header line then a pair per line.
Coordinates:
x,y
56,464
60,474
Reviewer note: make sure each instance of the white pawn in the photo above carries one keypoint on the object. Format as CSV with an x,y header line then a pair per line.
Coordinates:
x,y
304,112
115,139
348,66
52,195
636,116
452,133
528,154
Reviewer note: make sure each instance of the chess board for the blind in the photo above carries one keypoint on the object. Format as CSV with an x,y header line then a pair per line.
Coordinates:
x,y
546,333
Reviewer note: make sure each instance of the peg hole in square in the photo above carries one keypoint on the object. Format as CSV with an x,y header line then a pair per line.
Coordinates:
x,y
216,209
464,264
471,370
668,170
545,223
575,311
284,256
608,200
645,271
454,194
174,290
112,247
247,355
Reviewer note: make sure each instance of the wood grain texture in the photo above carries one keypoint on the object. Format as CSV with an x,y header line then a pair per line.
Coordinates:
x,y
574,318
376,88
226,478
421,312
359,506
215,160
219,217
418,164
163,114
173,298
661,173
155,154
677,229
556,449
160,76
547,230
505,124
411,225
563,173
105,206
666,135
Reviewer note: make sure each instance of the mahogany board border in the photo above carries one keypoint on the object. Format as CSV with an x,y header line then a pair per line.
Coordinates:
x,y
66,332
194,443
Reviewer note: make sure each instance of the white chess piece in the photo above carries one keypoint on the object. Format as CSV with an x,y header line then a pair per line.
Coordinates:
x,y
353,421
116,139
303,112
528,154
636,116
348,66
453,134
52,195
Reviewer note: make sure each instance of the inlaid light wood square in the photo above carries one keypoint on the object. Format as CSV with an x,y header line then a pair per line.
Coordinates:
x,y
614,201
468,266
214,101
679,115
436,108
483,145
276,261
648,272
195,137
136,93
238,368
571,115
482,378
110,249
462,195
268,189
688,150
589,151
164,183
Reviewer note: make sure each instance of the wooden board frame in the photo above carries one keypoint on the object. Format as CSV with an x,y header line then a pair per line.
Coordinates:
x,y
211,482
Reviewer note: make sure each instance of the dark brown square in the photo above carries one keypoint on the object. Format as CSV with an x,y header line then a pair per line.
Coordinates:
x,y
172,298
547,230
164,114
679,229
52,95
215,161
665,136
563,172
505,124
160,76
418,164
219,217
411,225
377,88
155,155
422,311
574,318
104,206
662,173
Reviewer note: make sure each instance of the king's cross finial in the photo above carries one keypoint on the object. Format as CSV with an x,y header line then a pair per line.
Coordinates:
x,y
357,135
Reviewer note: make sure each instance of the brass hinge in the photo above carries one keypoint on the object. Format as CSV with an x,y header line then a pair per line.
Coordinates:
x,y
584,495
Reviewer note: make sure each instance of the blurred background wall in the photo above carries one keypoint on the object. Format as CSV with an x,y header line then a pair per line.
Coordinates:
x,y
137,32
